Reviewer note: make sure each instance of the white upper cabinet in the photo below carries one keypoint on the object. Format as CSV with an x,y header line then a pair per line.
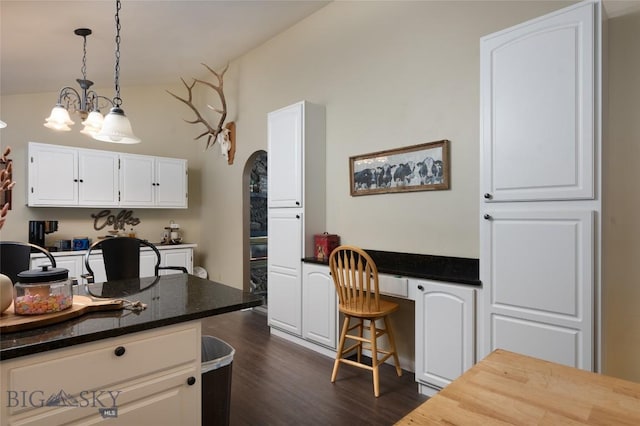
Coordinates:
x,y
148,181
538,88
63,176
285,145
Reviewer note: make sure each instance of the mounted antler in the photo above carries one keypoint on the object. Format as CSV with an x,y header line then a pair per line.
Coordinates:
x,y
212,131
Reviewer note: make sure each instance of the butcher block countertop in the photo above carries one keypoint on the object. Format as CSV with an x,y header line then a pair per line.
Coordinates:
x,y
508,388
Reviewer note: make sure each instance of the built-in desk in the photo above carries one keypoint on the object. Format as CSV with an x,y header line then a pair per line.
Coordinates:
x,y
435,326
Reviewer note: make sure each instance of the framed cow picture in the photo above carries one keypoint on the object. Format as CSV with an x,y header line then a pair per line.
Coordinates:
x,y
423,167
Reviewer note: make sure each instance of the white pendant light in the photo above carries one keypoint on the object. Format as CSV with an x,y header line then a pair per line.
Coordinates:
x,y
116,127
92,124
2,124
59,119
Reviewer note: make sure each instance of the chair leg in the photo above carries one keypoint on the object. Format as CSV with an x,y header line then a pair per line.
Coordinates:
x,y
374,357
360,333
392,343
343,335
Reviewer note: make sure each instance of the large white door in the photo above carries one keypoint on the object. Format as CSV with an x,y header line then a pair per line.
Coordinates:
x,y
538,107
98,178
540,301
285,130
284,266
53,175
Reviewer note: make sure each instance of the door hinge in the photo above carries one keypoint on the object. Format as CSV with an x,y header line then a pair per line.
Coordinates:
x,y
32,158
32,189
118,196
118,164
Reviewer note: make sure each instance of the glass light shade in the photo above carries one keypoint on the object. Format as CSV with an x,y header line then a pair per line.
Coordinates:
x,y
93,123
59,119
116,128
2,124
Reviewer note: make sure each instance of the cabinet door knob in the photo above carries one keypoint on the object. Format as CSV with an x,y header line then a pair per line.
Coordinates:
x,y
297,216
75,180
420,287
81,180
487,196
120,350
191,381
297,203
487,216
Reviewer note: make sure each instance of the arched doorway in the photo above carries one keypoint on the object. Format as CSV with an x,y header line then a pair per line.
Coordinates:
x,y
255,224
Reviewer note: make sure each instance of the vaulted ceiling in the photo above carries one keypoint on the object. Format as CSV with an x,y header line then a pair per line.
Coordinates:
x,y
160,40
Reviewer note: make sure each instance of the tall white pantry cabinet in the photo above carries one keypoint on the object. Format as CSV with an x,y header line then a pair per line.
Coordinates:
x,y
296,205
540,202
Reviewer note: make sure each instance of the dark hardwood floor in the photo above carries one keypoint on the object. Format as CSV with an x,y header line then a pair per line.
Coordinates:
x,y
276,382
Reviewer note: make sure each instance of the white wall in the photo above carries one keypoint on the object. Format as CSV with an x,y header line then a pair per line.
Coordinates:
x,y
621,195
391,74
156,119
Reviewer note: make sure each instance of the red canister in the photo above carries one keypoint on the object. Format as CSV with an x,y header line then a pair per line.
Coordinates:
x,y
324,245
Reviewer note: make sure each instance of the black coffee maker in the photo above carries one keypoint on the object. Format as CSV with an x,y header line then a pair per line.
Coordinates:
x,y
38,229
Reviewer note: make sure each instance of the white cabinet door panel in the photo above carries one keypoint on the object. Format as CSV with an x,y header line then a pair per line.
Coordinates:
x,y
538,85
285,157
98,178
319,305
540,267
171,182
284,270
445,331
53,175
137,180
176,257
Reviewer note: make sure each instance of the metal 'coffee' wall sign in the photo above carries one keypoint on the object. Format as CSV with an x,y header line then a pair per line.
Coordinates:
x,y
119,221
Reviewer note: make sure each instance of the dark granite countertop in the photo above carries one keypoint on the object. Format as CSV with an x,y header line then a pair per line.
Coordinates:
x,y
439,268
172,299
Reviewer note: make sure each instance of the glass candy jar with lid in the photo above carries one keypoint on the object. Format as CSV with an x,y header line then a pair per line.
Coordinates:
x,y
42,291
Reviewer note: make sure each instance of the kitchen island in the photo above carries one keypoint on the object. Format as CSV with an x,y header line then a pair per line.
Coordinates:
x,y
126,367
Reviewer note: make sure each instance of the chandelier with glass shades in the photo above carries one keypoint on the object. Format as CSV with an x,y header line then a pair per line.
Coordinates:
x,y
115,127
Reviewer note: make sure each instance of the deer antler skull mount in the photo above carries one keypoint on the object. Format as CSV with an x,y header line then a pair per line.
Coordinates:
x,y
217,132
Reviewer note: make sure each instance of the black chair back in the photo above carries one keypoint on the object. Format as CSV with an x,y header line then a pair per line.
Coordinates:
x,y
121,257
15,257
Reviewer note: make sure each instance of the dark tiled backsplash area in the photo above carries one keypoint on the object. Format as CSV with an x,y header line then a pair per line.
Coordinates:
x,y
440,268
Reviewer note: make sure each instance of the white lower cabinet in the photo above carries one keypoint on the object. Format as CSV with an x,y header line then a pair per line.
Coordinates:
x,y
284,270
150,377
319,305
74,264
445,332
169,256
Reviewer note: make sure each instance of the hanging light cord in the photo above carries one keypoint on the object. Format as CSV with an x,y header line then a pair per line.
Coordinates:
x,y
83,69
117,101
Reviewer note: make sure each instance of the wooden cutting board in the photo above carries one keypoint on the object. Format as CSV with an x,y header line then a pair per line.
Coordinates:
x,y
10,322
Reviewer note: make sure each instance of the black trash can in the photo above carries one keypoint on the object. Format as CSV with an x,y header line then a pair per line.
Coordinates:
x,y
217,360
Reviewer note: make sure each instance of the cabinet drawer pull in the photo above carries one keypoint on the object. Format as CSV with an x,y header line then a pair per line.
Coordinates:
x,y
191,381
120,350
487,196
297,203
487,216
420,287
